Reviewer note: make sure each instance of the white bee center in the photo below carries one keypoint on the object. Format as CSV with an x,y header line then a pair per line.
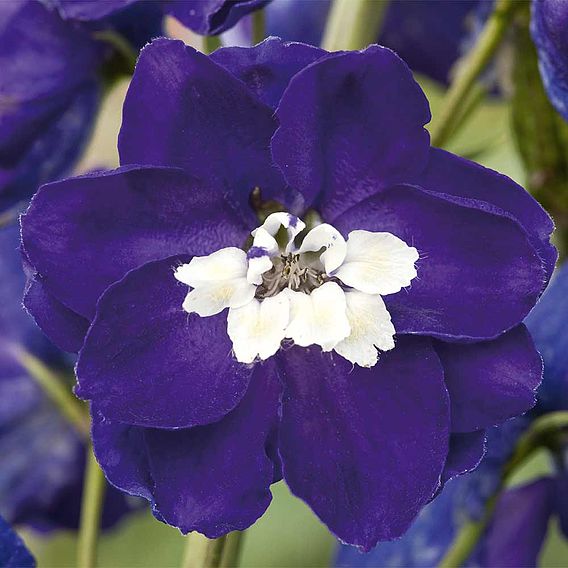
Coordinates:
x,y
324,291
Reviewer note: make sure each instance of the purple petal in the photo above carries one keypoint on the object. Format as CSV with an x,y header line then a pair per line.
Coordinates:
x,y
330,113
215,479
450,174
478,274
13,551
466,452
519,525
491,381
212,17
146,362
208,123
63,326
83,234
87,10
122,454
16,327
267,68
364,447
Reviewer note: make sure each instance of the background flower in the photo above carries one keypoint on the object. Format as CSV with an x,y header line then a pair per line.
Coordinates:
x,y
13,551
430,35
548,26
41,455
57,59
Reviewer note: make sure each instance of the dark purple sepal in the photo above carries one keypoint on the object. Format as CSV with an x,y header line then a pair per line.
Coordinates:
x,y
267,68
17,329
478,274
64,327
147,362
519,525
450,174
215,479
491,381
212,479
365,448
466,452
208,123
82,234
211,17
351,124
121,452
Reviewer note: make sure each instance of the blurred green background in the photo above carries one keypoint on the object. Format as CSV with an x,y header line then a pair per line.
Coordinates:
x,y
289,534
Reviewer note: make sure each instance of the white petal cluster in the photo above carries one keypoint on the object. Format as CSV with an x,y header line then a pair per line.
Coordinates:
x,y
346,313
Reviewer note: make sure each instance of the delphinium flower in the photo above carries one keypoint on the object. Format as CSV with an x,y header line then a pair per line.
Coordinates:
x,y
285,281
13,551
55,58
430,35
41,453
549,21
521,518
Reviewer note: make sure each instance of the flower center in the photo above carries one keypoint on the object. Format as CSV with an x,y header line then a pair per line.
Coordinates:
x,y
326,291
289,271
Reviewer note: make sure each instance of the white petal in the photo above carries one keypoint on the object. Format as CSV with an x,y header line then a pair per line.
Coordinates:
x,y
318,318
272,225
257,328
224,264
258,265
328,237
371,329
377,263
214,297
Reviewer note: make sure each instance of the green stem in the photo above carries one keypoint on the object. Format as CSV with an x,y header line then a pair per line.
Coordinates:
x,y
91,509
211,43
353,24
201,552
542,433
471,67
55,387
258,26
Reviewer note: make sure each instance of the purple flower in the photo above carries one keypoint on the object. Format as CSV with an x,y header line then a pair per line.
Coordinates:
x,y
205,17
522,516
430,35
548,26
13,551
200,411
41,456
